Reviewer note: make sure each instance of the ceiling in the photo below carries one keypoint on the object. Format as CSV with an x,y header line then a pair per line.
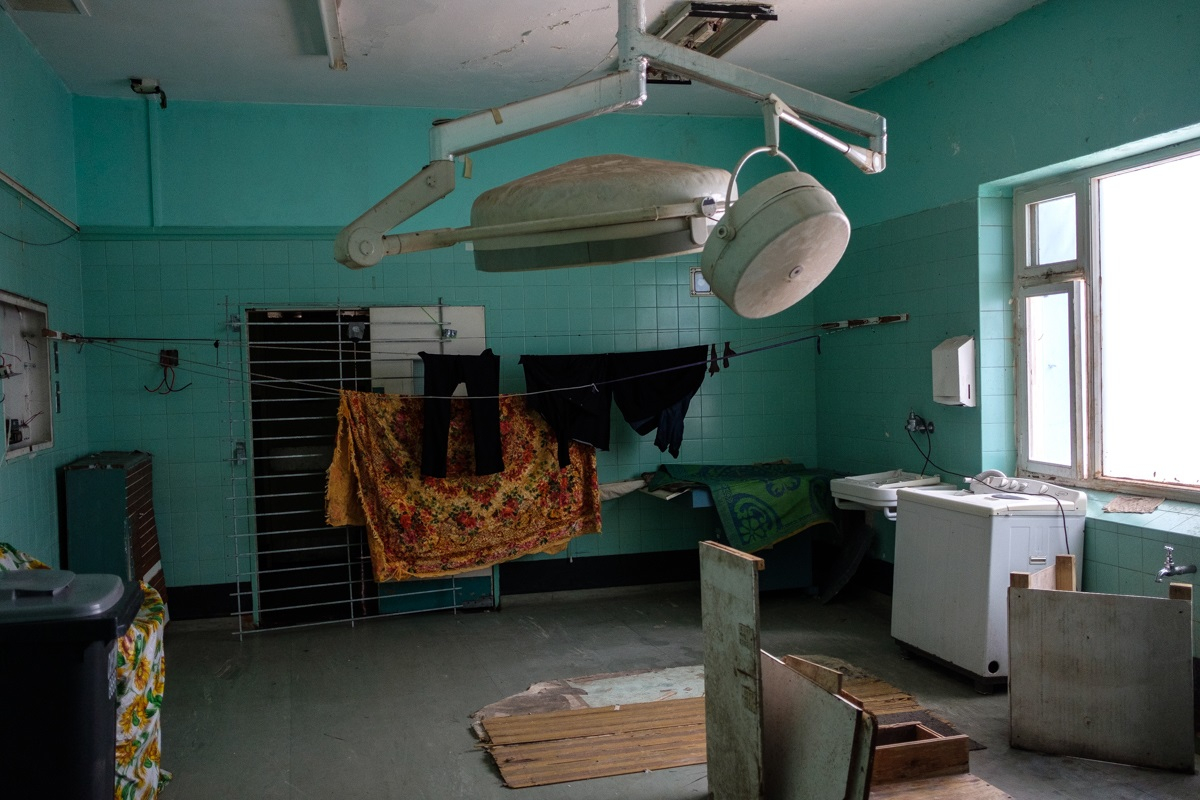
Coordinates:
x,y
468,54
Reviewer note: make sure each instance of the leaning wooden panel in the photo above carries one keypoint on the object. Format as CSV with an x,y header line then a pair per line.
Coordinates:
x,y
732,672
809,737
1101,676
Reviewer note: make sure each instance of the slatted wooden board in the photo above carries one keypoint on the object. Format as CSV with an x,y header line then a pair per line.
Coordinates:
x,y
561,746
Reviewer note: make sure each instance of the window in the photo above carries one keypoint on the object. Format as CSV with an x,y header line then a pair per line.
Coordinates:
x,y
1107,288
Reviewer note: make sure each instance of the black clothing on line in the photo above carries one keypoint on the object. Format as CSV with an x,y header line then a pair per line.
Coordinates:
x,y
659,398
580,415
443,374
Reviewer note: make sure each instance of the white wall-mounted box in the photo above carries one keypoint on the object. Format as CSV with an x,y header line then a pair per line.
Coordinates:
x,y
954,372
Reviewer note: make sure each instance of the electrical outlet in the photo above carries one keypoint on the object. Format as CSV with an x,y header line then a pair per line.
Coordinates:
x,y
917,424
168,358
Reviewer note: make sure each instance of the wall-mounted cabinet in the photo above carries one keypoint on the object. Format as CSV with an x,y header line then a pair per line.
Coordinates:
x,y
26,376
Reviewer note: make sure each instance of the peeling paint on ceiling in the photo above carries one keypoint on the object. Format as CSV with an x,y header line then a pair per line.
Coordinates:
x,y
468,54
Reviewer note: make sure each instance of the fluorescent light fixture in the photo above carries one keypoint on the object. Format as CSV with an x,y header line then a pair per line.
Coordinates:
x,y
335,45
710,28
714,28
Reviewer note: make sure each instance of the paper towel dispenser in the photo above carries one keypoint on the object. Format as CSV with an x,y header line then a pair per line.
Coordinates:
x,y
954,372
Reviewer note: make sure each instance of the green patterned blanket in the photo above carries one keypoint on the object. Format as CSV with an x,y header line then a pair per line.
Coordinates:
x,y
759,505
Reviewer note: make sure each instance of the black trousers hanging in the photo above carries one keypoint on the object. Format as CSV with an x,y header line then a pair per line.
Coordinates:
x,y
443,374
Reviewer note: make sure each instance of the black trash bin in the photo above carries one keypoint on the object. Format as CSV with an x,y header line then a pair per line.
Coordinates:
x,y
58,708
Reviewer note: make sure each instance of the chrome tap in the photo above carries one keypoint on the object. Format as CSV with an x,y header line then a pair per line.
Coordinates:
x,y
1170,569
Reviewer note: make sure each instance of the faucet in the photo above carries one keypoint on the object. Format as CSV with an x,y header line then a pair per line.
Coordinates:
x,y
1170,569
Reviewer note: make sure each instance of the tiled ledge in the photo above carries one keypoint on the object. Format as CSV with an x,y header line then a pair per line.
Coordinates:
x,y
1123,552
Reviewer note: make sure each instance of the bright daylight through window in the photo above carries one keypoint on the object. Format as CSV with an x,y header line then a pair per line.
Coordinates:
x,y
1107,280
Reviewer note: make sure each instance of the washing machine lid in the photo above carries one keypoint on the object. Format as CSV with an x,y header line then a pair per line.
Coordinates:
x,y
993,504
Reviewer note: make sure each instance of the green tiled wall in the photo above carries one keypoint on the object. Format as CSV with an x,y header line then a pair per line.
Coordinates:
x,y
36,150
762,407
49,275
1123,552
924,265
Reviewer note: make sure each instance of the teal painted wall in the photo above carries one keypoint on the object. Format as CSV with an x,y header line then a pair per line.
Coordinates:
x,y
37,150
37,145
222,165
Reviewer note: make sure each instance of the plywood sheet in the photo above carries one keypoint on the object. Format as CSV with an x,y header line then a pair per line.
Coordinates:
x,y
809,737
1101,676
732,672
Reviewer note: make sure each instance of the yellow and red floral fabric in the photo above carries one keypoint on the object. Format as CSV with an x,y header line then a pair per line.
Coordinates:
x,y
425,527
139,680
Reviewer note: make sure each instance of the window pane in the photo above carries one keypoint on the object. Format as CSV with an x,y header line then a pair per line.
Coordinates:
x,y
1150,285
1048,330
1054,226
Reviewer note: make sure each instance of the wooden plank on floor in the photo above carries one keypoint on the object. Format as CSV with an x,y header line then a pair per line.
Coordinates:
x,y
951,787
1101,676
732,672
581,758
594,721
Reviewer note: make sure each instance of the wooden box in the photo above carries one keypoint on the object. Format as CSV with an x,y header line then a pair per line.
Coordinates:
x,y
910,750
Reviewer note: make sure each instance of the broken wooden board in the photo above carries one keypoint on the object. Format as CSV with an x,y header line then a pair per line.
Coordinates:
x,y
1101,676
563,746
828,679
811,739
861,687
732,672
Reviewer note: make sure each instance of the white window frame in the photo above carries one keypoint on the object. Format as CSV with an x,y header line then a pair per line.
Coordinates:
x,y
1076,278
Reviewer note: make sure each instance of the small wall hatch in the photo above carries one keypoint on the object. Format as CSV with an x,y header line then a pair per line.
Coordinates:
x,y
25,376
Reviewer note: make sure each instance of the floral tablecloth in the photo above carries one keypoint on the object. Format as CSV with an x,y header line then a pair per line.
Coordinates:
x,y
427,527
139,678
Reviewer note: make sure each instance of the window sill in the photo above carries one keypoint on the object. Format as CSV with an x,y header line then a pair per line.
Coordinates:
x,y
1171,517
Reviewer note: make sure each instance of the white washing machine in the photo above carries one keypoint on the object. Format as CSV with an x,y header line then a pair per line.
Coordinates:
x,y
954,553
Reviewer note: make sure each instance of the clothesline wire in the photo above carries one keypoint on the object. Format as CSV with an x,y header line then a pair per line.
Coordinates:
x,y
259,378
402,355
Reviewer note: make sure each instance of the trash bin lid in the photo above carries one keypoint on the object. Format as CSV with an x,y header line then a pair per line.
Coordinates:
x,y
37,595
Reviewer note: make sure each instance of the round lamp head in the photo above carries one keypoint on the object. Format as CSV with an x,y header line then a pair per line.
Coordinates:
x,y
782,238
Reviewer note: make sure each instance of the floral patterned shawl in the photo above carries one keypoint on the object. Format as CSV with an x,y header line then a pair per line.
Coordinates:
x,y
425,527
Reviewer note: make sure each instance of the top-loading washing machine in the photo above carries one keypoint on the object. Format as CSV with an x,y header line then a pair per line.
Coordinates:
x,y
954,553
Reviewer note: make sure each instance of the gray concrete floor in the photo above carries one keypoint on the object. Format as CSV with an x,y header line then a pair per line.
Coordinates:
x,y
381,710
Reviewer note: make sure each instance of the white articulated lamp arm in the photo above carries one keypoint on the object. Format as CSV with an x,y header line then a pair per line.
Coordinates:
x,y
363,243
366,240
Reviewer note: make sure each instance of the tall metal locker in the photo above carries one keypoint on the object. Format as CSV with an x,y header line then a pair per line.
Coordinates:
x,y
110,517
